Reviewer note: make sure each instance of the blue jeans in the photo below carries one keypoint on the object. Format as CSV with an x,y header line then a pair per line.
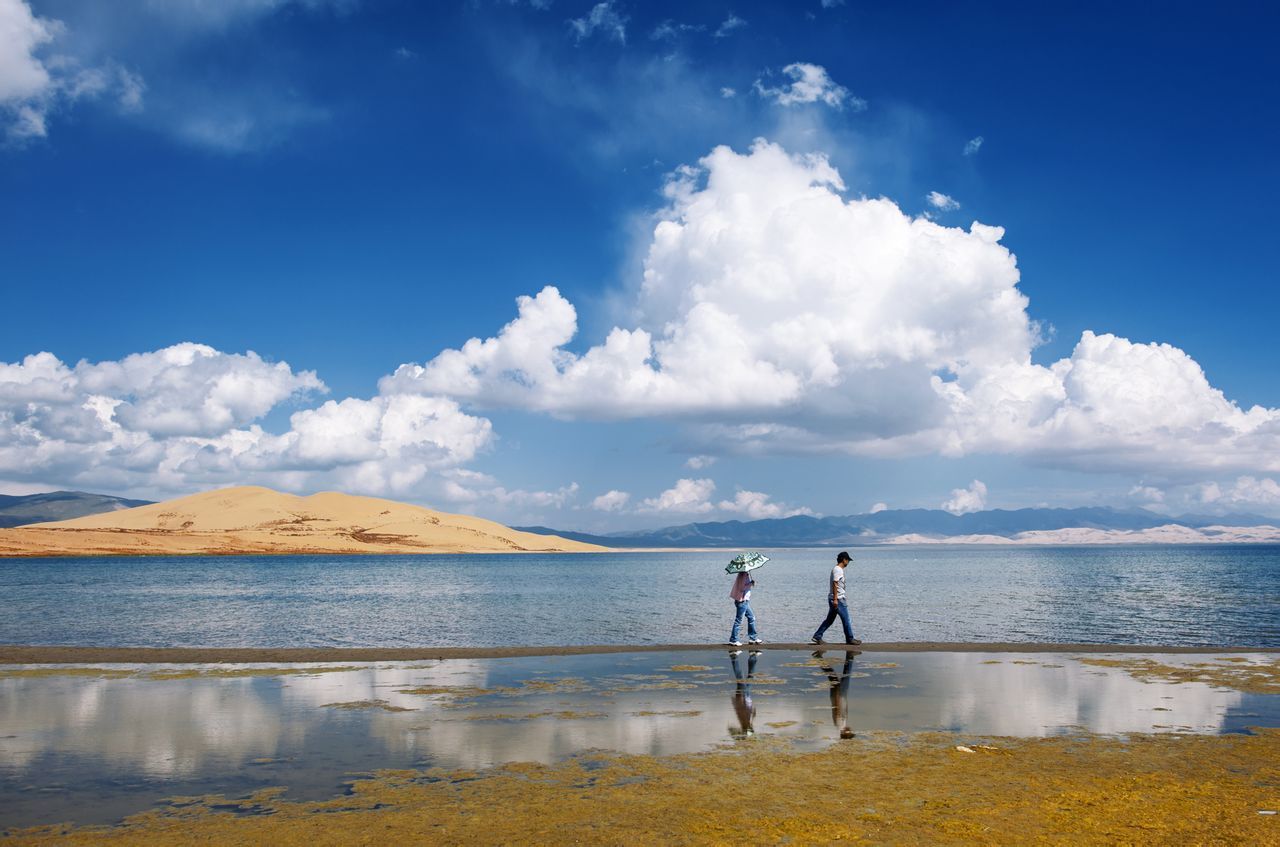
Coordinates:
x,y
841,609
743,607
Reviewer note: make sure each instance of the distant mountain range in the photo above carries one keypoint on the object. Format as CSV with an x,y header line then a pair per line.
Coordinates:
x,y
59,506
882,527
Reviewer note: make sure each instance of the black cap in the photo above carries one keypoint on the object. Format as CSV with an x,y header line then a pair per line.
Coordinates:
x,y
844,557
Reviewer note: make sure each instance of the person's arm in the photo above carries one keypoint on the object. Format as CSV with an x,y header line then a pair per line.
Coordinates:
x,y
834,599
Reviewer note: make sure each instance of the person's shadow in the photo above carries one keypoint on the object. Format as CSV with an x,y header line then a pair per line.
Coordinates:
x,y
742,705
839,690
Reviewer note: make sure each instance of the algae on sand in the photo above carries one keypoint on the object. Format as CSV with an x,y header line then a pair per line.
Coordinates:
x,y
366,704
1149,789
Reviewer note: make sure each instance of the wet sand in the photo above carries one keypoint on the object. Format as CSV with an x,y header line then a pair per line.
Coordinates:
x,y
22,654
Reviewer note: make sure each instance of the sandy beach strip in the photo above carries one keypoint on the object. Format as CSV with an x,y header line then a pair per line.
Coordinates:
x,y
22,654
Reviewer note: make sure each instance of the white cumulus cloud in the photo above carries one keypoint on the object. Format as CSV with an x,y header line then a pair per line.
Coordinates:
x,y
1245,491
965,500
973,145
942,202
689,496
694,496
809,84
697,463
756,505
611,501
773,314
192,389
776,315
186,417
604,18
34,80
669,30
764,293
475,491
23,75
186,389
1148,494
49,66
729,24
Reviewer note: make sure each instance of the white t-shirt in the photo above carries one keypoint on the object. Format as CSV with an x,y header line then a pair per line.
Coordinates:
x,y
837,576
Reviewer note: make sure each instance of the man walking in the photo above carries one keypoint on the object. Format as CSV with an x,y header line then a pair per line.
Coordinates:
x,y
836,598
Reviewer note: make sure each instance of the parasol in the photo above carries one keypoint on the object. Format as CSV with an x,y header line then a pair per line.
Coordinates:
x,y
745,562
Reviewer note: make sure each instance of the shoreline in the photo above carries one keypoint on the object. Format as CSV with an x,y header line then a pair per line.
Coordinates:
x,y
22,654
942,544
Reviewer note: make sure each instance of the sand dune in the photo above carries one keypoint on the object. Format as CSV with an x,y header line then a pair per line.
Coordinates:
x,y
251,520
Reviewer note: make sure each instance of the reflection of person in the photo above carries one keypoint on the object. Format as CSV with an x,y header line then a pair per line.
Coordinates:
x,y
742,704
837,602
741,594
839,692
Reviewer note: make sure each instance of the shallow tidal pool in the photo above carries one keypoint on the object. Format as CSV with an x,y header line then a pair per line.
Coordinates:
x,y
94,744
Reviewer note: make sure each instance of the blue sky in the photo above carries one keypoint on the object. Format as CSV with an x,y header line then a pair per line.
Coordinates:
x,y
347,187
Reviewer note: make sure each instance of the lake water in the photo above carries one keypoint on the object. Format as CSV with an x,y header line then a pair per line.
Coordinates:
x,y
93,745
1119,595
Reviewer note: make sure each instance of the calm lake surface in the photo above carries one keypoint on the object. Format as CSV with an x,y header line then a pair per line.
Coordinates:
x,y
1150,595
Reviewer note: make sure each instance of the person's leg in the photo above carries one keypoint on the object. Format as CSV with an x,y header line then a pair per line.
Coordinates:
x,y
751,622
739,608
831,616
751,664
737,669
843,608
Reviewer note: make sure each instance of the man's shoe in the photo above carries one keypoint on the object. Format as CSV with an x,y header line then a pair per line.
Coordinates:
x,y
756,641
855,642
733,643
735,652
816,641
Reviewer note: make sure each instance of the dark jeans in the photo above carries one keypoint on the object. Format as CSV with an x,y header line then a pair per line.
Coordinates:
x,y
841,609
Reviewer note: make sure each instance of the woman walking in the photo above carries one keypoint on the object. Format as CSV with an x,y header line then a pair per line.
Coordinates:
x,y
741,594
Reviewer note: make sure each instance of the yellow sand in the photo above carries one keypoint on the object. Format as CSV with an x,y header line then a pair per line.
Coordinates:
x,y
253,520
927,789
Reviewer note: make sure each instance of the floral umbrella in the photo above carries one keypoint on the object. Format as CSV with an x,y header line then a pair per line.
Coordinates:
x,y
745,562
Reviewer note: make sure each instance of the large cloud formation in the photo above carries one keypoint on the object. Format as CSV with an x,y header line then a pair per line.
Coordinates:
x,y
775,314
186,416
